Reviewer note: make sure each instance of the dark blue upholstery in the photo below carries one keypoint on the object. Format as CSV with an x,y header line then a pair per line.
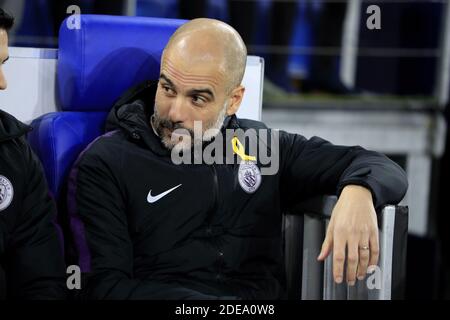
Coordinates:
x,y
106,56
59,137
96,64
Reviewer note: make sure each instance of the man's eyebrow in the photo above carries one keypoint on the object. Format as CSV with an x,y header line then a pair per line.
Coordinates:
x,y
7,58
201,91
164,77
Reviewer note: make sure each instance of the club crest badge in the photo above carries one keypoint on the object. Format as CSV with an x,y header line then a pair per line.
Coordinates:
x,y
6,192
249,176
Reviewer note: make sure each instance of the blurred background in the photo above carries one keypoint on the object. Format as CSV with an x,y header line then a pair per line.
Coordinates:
x,y
338,69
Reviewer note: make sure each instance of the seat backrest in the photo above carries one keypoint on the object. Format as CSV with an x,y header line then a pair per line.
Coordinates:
x,y
90,78
106,56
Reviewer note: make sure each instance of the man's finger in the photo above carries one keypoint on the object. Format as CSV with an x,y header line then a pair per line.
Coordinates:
x,y
352,260
327,245
364,255
338,256
374,248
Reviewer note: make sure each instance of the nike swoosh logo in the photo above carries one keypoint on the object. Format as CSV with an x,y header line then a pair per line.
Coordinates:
x,y
152,199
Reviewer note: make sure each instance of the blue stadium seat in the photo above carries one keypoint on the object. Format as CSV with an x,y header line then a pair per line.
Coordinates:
x,y
90,78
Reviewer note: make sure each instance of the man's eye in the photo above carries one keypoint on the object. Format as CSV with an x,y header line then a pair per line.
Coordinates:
x,y
198,100
168,89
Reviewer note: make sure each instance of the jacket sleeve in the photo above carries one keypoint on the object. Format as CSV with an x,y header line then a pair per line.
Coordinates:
x,y
100,230
36,268
315,166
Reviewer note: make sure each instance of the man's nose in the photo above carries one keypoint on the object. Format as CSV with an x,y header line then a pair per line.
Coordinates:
x,y
177,110
3,83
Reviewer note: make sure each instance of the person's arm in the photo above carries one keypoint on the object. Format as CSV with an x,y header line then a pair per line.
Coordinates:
x,y
100,229
36,268
315,166
363,180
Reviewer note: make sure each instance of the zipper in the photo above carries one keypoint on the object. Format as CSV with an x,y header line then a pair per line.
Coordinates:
x,y
216,192
218,265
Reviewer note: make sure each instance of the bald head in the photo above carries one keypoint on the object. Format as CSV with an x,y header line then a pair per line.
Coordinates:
x,y
208,40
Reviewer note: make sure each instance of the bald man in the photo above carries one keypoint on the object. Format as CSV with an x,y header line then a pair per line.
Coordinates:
x,y
149,227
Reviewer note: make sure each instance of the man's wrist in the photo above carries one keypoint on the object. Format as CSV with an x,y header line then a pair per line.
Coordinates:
x,y
357,190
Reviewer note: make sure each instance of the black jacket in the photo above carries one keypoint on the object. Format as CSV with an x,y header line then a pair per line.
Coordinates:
x,y
31,259
207,238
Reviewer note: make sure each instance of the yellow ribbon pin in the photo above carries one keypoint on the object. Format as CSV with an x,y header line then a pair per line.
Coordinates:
x,y
238,148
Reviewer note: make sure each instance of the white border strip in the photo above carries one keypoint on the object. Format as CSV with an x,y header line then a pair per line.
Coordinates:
x,y
33,53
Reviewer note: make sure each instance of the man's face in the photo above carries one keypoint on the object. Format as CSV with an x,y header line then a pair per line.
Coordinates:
x,y
4,55
189,90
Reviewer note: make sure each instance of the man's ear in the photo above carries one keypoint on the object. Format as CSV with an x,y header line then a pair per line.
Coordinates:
x,y
236,98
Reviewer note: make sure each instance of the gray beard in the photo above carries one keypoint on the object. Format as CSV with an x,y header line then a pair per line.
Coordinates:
x,y
186,144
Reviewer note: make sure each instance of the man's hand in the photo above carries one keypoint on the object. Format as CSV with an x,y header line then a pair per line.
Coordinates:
x,y
353,226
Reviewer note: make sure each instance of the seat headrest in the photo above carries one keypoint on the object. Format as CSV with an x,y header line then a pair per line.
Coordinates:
x,y
107,55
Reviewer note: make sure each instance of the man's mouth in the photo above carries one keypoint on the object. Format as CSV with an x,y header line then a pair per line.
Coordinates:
x,y
172,134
